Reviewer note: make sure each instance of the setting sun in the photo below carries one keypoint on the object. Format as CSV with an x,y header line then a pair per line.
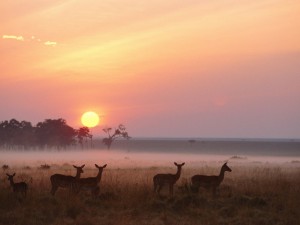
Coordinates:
x,y
90,119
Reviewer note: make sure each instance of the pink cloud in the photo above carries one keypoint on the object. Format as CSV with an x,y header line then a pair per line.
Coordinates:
x,y
18,38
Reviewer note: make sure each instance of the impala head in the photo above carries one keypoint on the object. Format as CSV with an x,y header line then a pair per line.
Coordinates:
x,y
79,168
100,167
179,165
10,177
226,168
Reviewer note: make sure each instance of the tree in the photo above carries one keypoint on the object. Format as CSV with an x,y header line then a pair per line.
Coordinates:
x,y
15,134
55,133
4,133
13,131
27,137
83,133
119,132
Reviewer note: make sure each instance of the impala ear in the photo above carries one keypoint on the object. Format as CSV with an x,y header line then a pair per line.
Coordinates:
x,y
82,166
14,174
182,164
175,164
75,166
104,166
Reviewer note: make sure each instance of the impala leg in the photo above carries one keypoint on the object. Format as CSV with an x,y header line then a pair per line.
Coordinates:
x,y
75,188
53,189
95,191
155,187
214,190
194,188
71,190
171,189
159,188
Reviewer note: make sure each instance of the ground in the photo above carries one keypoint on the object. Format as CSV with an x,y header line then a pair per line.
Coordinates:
x,y
250,194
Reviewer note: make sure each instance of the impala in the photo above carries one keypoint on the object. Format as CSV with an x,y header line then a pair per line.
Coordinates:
x,y
161,179
20,187
63,181
90,183
209,182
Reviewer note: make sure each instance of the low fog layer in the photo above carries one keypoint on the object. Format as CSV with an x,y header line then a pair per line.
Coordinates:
x,y
125,159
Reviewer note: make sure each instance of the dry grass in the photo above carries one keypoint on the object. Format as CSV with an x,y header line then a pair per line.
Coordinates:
x,y
251,194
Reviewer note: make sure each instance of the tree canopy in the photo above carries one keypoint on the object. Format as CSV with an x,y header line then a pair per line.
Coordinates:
x,y
51,133
119,132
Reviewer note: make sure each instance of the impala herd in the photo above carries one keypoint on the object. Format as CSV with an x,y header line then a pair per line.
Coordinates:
x,y
76,184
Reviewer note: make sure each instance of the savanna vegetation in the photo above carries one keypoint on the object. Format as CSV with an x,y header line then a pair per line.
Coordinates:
x,y
251,194
51,134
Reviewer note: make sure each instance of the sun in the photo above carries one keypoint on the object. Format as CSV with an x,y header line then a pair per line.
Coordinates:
x,y
90,119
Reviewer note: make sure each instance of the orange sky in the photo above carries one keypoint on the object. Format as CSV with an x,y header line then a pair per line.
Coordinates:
x,y
168,68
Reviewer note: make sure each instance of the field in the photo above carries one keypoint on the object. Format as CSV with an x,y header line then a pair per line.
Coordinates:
x,y
253,193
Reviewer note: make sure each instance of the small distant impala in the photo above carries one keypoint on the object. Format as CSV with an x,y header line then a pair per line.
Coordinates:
x,y
209,182
90,183
17,187
161,179
63,181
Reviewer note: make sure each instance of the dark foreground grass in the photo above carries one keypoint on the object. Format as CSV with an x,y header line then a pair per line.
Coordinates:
x,y
249,195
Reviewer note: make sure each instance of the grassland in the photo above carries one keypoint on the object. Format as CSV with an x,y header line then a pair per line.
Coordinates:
x,y
251,194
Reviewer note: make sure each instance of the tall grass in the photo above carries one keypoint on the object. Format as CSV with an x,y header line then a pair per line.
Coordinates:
x,y
250,194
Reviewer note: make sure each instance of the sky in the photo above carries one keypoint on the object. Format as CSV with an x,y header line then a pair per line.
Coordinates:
x,y
172,68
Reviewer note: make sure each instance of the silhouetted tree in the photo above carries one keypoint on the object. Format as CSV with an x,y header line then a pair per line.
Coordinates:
x,y
119,132
55,133
12,131
27,135
51,133
192,141
83,133
3,133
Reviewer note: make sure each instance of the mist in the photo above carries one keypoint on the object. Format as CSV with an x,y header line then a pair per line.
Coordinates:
x,y
118,159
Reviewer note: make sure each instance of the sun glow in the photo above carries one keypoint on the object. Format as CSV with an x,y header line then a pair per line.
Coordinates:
x,y
90,119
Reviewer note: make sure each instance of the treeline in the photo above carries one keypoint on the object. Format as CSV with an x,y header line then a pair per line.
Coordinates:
x,y
51,133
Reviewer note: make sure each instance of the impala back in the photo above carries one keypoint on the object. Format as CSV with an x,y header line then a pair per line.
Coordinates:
x,y
20,187
205,181
87,183
163,178
62,180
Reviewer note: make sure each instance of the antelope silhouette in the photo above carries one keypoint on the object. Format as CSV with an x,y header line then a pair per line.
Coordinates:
x,y
63,181
159,180
20,187
90,183
209,182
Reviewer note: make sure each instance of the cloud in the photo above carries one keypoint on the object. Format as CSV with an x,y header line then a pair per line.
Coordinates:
x,y
18,38
32,38
50,43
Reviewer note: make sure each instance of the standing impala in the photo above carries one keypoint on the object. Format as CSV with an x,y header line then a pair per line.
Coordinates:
x,y
161,179
209,182
90,183
63,181
17,187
